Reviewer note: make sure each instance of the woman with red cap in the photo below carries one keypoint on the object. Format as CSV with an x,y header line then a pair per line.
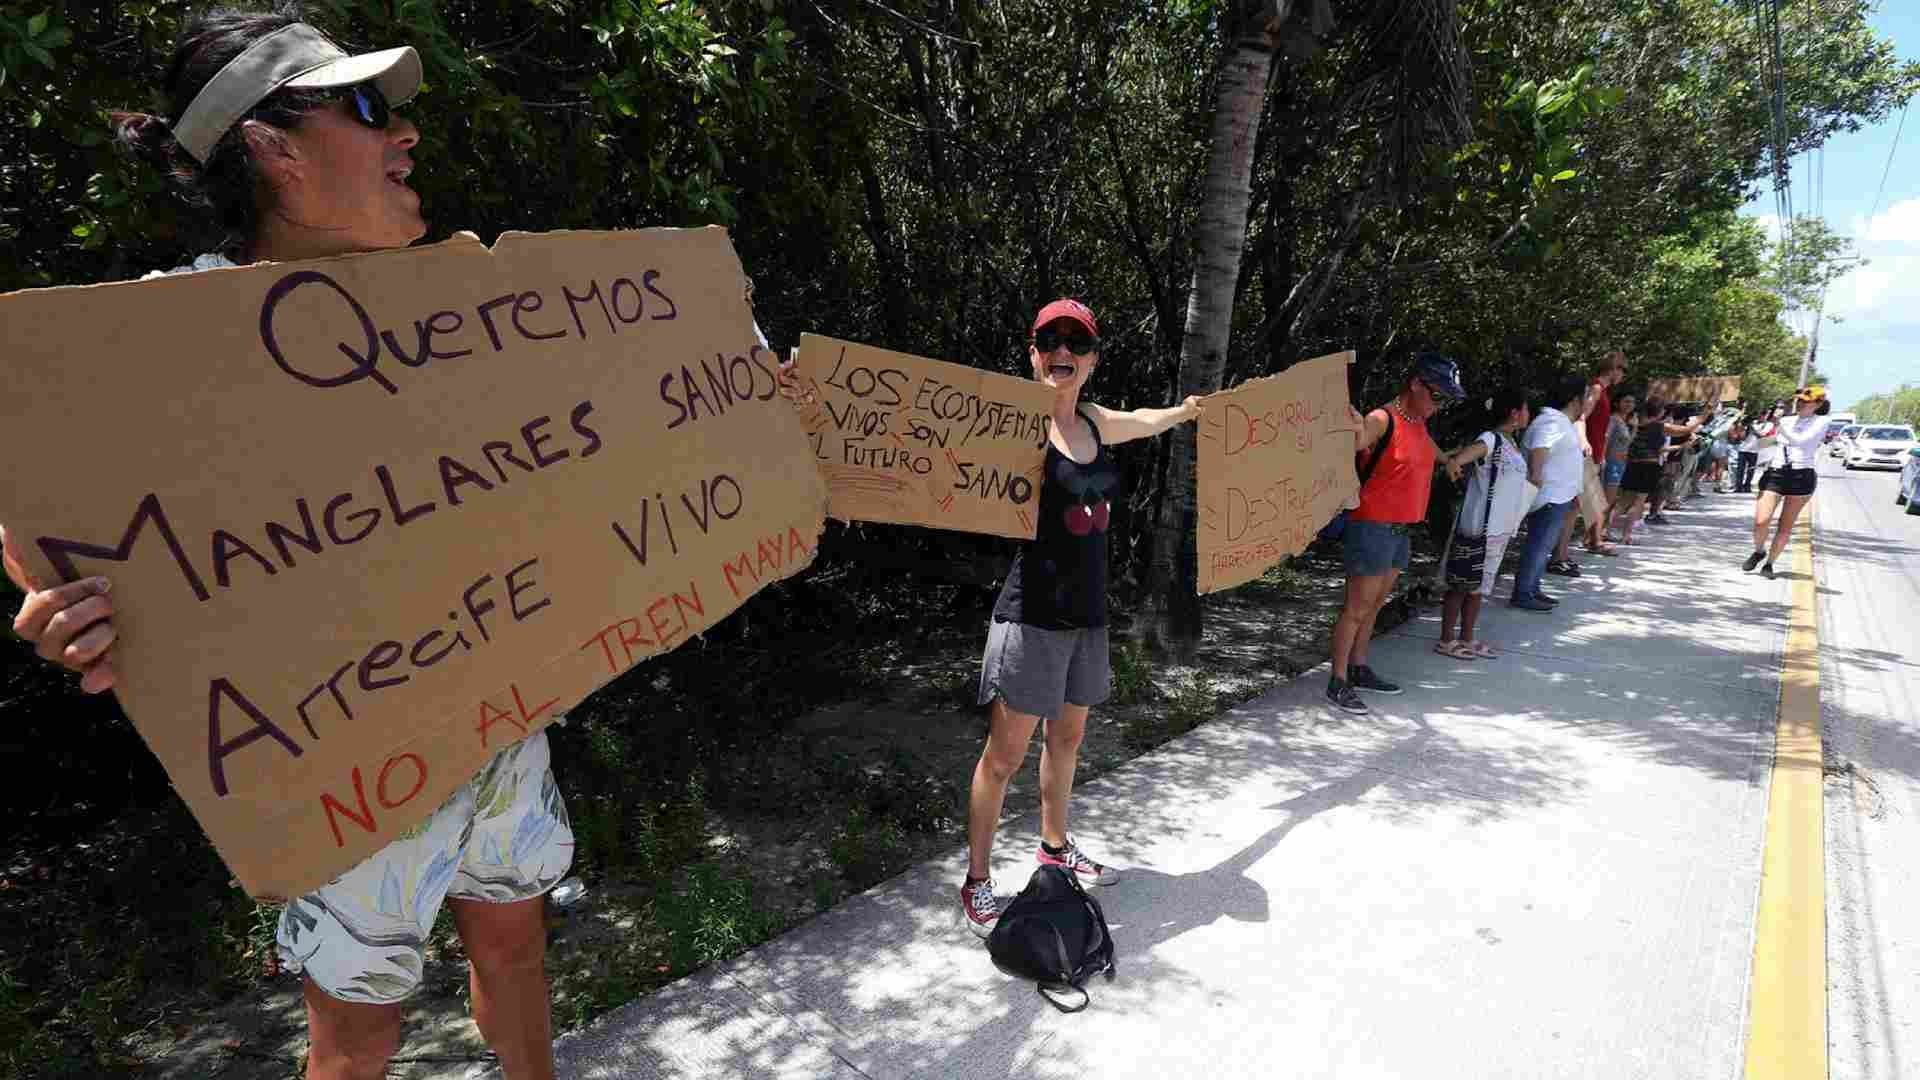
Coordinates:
x,y
1046,654
292,147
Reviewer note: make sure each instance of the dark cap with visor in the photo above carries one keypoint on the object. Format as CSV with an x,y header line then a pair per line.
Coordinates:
x,y
295,57
1441,375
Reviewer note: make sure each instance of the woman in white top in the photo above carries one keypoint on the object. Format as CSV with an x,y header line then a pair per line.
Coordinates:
x,y
1495,501
1747,451
1492,506
1789,485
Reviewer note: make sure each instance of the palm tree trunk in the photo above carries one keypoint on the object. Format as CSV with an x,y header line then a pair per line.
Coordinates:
x,y
1172,622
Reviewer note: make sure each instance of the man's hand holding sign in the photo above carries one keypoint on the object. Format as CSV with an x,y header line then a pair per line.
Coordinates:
x,y
369,519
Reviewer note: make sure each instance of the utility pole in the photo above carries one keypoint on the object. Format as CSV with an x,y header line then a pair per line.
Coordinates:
x,y
1819,312
1813,339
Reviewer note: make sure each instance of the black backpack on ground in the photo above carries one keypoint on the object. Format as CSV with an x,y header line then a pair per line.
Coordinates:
x,y
1054,934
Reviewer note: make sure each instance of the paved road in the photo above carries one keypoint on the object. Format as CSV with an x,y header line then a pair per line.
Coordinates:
x,y
1543,866
1869,598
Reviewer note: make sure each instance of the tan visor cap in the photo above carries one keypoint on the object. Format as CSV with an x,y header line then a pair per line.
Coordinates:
x,y
296,56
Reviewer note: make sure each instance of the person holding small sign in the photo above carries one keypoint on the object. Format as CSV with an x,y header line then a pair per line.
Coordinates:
x,y
1046,653
294,148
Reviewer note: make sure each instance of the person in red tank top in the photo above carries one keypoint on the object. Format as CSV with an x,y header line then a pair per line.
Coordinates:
x,y
1376,543
1608,373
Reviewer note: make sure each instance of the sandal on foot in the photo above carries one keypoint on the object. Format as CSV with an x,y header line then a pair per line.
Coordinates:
x,y
1458,650
1482,650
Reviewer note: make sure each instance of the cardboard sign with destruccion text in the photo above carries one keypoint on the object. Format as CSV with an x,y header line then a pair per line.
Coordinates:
x,y
1276,464
913,441
1705,389
371,519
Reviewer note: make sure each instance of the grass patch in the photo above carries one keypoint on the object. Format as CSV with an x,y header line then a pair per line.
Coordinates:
x,y
1191,703
622,821
866,849
1132,673
710,914
713,917
953,686
89,934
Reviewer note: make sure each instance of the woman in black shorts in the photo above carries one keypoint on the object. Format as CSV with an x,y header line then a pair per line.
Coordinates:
x,y
1789,485
1046,654
1646,457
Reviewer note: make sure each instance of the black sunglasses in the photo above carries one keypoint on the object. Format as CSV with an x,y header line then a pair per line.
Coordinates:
x,y
1078,342
368,105
1441,399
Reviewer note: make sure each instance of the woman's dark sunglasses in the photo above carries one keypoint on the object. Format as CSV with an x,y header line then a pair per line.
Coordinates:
x,y
1078,342
368,105
1441,399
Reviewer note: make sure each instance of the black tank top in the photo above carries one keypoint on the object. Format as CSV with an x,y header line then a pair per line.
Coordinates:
x,y
1059,578
1649,442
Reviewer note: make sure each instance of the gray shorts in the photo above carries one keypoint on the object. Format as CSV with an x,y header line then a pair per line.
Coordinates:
x,y
1038,670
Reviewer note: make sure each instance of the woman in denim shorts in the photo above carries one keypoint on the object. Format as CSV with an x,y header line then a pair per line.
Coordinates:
x,y
293,145
1619,436
1377,540
1046,655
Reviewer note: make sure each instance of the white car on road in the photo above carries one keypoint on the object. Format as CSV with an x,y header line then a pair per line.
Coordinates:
x,y
1878,446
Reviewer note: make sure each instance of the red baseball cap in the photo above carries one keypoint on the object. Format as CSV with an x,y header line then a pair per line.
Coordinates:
x,y
1067,309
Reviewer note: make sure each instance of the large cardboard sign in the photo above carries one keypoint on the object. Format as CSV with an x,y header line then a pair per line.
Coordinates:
x,y
1276,464
1706,389
368,520
914,441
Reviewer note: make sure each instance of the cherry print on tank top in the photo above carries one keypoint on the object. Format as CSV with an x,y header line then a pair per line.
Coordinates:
x,y
1059,579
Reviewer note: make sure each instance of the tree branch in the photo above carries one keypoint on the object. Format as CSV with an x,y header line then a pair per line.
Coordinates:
x,y
1136,236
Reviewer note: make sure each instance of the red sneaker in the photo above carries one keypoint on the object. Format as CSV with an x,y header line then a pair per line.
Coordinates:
x,y
1082,865
980,905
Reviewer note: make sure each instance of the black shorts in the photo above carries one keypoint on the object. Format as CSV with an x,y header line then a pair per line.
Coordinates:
x,y
1643,478
1788,481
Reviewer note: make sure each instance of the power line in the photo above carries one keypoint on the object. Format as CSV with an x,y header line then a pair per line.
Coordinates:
x,y
1782,164
1884,173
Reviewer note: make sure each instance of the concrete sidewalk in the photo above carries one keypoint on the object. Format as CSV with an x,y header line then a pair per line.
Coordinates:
x,y
1544,865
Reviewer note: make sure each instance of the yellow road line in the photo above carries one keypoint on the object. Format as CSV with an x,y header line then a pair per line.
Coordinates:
x,y
1787,1010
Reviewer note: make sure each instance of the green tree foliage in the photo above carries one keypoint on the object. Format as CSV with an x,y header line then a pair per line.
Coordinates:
x,y
922,174
1902,406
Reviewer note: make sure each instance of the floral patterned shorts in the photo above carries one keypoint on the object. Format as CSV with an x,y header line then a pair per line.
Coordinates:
x,y
500,838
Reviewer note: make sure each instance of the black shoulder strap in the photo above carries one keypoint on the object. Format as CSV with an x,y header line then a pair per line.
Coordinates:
x,y
1493,477
1098,442
1379,449
1058,994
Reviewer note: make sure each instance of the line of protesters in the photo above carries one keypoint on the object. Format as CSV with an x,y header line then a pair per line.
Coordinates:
x,y
1527,469
1585,454
292,146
